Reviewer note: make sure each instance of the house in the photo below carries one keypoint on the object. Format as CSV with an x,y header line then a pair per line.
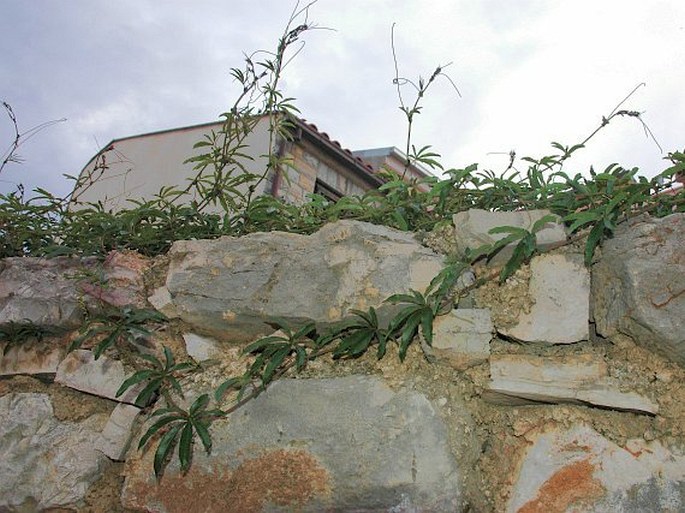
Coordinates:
x,y
137,167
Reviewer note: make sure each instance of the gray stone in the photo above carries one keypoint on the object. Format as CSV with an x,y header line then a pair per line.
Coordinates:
x,y
462,337
230,287
472,229
638,285
30,358
114,439
578,379
102,377
201,348
41,291
45,463
161,300
345,444
51,292
560,289
579,470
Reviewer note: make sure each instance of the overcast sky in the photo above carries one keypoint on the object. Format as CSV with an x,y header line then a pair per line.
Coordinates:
x,y
529,71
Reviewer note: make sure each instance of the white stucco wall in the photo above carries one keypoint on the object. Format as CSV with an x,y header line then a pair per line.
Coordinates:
x,y
138,167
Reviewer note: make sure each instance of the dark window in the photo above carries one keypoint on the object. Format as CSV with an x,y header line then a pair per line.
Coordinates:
x,y
327,191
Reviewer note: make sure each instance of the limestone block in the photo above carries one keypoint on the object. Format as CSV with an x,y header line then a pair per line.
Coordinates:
x,y
39,290
579,470
30,358
462,337
355,444
472,229
102,377
579,379
114,439
161,300
232,287
201,348
45,463
560,289
638,285
50,291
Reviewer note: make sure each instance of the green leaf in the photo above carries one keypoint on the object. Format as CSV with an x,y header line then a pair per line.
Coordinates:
x,y
152,359
260,344
137,377
408,332
540,223
514,230
185,446
593,240
301,358
514,263
231,383
274,363
152,430
165,445
145,395
106,342
581,219
169,357
199,404
353,344
427,326
303,331
204,435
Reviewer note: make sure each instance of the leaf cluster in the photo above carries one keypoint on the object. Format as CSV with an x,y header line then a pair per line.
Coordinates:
x,y
117,328
19,332
157,377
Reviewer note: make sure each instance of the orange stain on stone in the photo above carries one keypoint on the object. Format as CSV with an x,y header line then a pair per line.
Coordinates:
x,y
572,485
280,477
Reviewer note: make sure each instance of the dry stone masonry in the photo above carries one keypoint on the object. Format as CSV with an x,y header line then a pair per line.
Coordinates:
x,y
561,390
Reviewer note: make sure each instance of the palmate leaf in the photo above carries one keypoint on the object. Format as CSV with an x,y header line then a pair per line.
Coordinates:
x,y
181,427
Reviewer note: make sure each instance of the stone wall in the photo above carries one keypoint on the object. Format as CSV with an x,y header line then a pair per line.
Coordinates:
x,y
562,389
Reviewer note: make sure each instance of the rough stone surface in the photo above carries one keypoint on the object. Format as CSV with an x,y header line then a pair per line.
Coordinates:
x,y
560,288
472,227
462,337
579,470
200,348
114,439
103,377
45,463
581,379
638,285
342,444
120,282
42,291
229,287
34,358
50,292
